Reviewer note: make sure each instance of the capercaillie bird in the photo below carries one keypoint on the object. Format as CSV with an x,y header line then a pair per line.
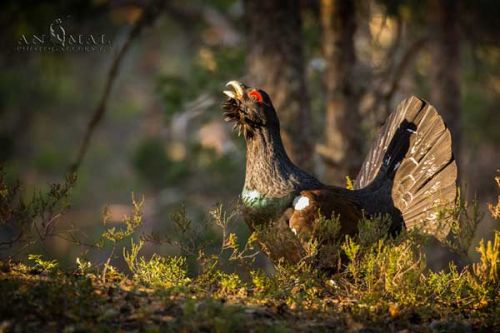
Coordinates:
x,y
409,173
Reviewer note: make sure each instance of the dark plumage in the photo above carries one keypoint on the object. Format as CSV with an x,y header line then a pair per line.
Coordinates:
x,y
409,173
330,203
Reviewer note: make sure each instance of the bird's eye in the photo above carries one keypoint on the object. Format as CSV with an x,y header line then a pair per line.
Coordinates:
x,y
256,96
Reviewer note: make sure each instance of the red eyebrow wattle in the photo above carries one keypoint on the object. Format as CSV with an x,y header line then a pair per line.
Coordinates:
x,y
255,94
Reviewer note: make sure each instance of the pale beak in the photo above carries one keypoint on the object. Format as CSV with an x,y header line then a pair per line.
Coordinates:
x,y
229,94
237,89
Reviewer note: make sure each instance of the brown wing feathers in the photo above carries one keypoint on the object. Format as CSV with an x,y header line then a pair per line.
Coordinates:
x,y
328,204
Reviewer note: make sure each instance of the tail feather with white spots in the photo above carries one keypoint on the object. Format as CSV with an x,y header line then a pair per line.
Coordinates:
x,y
412,161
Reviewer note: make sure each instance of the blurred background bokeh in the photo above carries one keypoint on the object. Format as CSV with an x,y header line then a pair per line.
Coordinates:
x,y
334,68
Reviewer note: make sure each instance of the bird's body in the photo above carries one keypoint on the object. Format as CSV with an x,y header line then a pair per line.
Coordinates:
x,y
409,173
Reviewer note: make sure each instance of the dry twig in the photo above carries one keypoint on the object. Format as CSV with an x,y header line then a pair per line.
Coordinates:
x,y
149,16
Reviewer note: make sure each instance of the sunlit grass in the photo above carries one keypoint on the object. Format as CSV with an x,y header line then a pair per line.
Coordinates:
x,y
370,280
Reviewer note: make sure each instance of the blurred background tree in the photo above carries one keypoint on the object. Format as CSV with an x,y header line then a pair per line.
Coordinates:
x,y
343,147
334,68
276,64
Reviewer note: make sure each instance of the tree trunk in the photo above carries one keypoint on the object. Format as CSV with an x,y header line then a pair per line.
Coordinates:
x,y
445,65
343,146
276,64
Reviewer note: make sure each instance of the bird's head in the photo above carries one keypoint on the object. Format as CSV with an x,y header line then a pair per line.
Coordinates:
x,y
250,109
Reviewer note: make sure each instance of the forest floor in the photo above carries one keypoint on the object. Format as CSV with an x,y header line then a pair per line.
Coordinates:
x,y
379,284
43,298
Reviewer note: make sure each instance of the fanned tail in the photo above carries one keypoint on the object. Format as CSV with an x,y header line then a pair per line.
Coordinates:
x,y
411,163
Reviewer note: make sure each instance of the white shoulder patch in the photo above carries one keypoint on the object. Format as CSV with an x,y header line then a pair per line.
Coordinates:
x,y
300,202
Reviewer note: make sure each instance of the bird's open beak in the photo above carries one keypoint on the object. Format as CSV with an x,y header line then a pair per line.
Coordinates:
x,y
238,90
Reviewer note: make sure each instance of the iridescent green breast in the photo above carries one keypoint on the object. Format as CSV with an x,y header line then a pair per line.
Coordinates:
x,y
261,208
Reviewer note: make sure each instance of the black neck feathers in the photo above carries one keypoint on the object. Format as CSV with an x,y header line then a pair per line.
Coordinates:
x,y
269,170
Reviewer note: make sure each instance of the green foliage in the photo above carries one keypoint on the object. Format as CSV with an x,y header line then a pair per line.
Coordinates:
x,y
30,219
324,247
365,279
465,218
131,222
83,267
43,265
348,183
157,272
160,272
351,250
385,281
489,267
373,229
230,284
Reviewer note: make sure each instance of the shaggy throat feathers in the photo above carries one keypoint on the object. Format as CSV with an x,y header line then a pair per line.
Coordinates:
x,y
271,177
